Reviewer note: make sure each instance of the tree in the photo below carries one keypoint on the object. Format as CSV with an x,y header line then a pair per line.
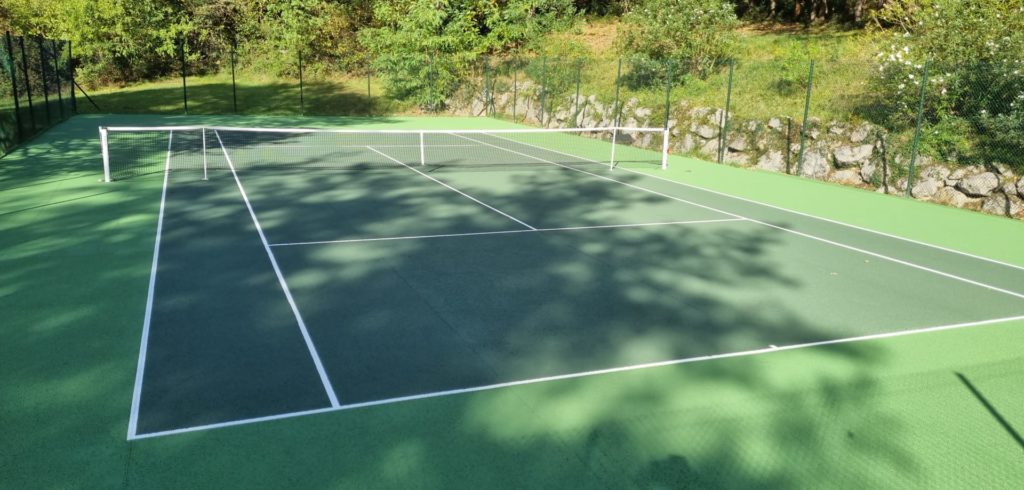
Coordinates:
x,y
423,48
695,35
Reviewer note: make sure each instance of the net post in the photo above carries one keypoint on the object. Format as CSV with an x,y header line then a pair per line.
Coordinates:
x,y
423,156
205,176
664,149
106,154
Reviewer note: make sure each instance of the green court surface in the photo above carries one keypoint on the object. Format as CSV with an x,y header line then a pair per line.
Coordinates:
x,y
509,314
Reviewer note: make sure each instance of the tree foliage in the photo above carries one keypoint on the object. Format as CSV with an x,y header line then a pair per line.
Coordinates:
x,y
975,52
424,47
695,35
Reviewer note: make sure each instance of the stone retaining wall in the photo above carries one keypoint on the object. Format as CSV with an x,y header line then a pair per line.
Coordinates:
x,y
848,154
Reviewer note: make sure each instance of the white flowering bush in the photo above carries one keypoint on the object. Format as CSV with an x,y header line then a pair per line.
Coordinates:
x,y
974,97
695,35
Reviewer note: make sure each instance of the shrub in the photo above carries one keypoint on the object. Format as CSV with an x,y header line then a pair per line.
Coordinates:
x,y
696,35
975,92
423,48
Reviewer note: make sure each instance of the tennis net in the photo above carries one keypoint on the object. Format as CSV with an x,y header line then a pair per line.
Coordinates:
x,y
133,151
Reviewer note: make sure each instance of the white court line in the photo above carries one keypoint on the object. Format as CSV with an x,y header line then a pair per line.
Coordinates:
x,y
770,225
787,210
133,419
584,374
284,285
488,206
505,232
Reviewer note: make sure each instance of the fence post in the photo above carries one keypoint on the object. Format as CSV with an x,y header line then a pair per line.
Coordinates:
x,y
917,129
234,88
184,83
543,85
615,105
789,143
579,77
486,94
302,95
430,84
803,126
668,92
56,78
515,86
14,88
71,71
46,88
369,92
724,134
28,83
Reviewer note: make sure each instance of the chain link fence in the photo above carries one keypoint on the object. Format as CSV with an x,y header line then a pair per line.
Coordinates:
x,y
36,87
872,124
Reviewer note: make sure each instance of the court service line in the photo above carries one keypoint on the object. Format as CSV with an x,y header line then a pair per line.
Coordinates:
x,y
792,211
505,232
133,418
770,225
585,374
488,206
284,284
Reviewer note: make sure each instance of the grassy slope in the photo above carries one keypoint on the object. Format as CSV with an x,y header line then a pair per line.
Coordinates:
x,y
73,273
769,56
770,76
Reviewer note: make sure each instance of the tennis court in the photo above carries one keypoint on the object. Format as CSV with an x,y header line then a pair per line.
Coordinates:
x,y
298,272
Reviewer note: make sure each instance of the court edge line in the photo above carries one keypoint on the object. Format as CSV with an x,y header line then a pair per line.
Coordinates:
x,y
284,284
793,211
488,206
584,374
770,225
140,368
505,232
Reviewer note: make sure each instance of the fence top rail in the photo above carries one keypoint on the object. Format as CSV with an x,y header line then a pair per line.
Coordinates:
x,y
377,131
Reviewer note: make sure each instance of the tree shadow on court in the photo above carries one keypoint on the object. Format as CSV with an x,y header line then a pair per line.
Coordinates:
x,y
73,282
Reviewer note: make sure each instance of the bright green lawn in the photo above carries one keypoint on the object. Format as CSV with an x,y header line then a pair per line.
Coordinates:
x,y
74,266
